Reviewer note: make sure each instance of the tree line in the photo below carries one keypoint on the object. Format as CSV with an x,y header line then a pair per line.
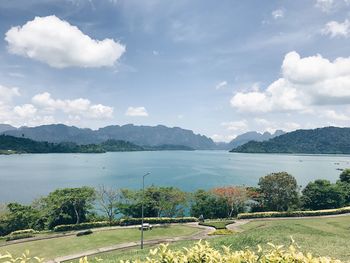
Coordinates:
x,y
275,192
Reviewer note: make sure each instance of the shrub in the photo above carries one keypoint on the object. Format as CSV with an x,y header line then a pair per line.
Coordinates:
x,y
19,236
156,220
124,222
84,233
202,252
221,232
24,231
338,211
82,226
24,258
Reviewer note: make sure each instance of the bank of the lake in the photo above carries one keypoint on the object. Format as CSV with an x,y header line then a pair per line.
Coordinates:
x,y
28,176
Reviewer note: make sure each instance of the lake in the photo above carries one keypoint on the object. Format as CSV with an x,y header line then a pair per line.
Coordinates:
x,y
29,176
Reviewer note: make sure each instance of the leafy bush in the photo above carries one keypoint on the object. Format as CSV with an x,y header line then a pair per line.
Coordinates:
x,y
202,252
82,226
24,231
19,236
25,258
156,220
221,232
84,233
338,211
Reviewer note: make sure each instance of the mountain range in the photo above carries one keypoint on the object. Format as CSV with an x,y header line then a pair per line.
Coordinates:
x,y
140,135
151,136
250,136
328,140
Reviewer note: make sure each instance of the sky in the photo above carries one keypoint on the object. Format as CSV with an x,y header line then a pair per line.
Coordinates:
x,y
219,68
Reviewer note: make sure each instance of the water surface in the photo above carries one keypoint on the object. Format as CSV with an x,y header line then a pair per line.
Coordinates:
x,y
29,176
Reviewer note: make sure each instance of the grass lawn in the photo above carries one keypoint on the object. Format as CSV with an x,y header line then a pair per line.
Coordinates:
x,y
52,248
323,237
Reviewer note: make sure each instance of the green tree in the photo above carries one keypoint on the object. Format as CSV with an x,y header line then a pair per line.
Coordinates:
x,y
20,217
344,185
279,191
68,205
208,204
321,194
235,197
158,202
345,176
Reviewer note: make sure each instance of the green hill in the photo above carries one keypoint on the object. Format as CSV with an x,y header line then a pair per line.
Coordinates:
x,y
328,140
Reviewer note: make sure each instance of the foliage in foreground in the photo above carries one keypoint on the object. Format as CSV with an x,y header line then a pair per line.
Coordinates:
x,y
24,258
202,252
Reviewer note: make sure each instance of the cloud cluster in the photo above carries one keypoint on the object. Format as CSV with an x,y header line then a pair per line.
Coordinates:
x,y
59,44
335,29
43,109
325,5
80,106
305,82
136,112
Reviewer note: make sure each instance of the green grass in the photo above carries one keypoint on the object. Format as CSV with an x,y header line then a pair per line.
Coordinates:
x,y
218,224
52,248
322,237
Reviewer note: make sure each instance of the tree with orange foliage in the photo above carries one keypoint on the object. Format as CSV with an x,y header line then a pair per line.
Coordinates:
x,y
235,196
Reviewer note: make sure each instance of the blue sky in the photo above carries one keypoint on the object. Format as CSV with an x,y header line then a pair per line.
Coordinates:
x,y
220,68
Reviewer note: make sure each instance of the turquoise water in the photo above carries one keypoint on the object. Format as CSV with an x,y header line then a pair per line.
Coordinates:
x,y
29,176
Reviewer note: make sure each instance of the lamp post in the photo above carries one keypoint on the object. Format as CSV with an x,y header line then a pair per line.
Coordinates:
x,y
143,195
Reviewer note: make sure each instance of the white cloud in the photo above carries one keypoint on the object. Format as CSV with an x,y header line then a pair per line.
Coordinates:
x,y
25,111
59,44
276,14
333,115
221,85
155,52
325,5
78,106
334,29
136,112
305,82
236,125
7,94
222,138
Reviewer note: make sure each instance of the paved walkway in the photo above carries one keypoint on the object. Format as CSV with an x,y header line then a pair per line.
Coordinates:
x,y
197,236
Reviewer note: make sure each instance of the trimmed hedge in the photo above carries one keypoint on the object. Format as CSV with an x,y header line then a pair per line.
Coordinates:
x,y
157,220
24,231
337,211
124,222
83,226
19,236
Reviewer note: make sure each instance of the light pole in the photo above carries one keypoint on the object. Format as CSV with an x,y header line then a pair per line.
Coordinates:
x,y
143,196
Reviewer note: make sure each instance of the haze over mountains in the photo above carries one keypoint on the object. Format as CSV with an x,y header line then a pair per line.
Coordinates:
x,y
140,135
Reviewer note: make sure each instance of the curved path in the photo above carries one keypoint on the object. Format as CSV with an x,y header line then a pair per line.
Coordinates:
x,y
197,236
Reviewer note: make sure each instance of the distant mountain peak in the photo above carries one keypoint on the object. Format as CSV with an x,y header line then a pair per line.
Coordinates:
x,y
327,140
140,135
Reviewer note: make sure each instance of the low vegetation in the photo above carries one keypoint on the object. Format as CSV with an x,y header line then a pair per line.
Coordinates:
x,y
51,248
325,212
125,222
202,252
321,237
